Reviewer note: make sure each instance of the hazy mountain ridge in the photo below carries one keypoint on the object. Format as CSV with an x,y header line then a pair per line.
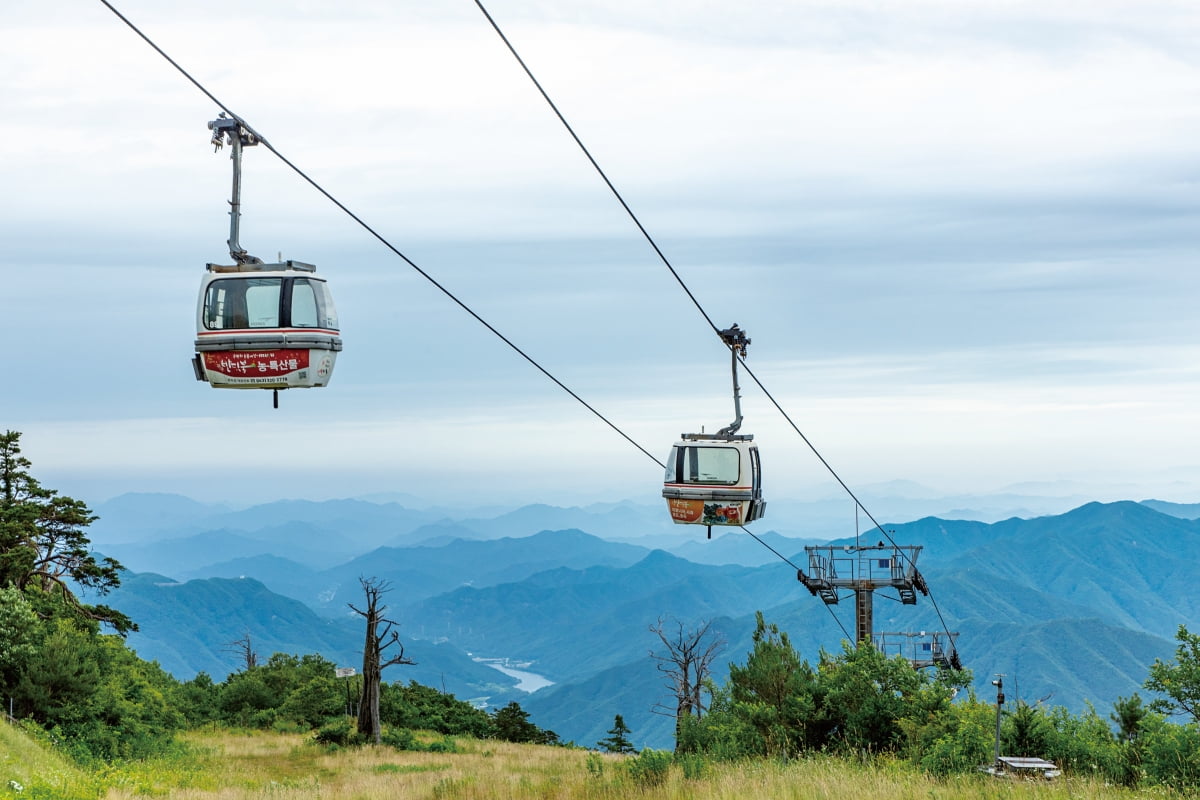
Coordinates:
x,y
136,517
1075,606
426,570
1181,510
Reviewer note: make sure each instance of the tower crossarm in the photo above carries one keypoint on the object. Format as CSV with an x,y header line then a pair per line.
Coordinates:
x,y
864,567
920,648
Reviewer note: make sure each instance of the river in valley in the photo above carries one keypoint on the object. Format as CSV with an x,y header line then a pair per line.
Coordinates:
x,y
526,681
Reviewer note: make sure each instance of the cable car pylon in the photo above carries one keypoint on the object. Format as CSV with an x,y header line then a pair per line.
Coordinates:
x,y
864,569
259,325
716,479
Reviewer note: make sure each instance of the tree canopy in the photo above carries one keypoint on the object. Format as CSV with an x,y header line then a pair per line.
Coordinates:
x,y
1179,680
44,549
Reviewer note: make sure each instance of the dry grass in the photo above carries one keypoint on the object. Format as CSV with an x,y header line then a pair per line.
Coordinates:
x,y
240,766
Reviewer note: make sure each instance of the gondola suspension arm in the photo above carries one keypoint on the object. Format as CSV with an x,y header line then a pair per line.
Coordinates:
x,y
239,135
735,339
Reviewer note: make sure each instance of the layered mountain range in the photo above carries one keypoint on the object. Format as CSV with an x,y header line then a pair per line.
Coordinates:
x,y
1071,607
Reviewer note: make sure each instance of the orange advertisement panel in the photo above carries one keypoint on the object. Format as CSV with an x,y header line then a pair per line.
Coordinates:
x,y
701,513
686,510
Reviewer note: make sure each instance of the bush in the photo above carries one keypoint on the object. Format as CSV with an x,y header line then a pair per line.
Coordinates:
x,y
1171,754
422,708
400,738
959,739
339,733
289,726
443,745
650,768
1085,745
694,766
726,733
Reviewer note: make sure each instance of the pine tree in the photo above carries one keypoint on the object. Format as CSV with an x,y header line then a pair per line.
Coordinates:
x,y
1129,713
512,725
43,547
618,738
1179,680
781,688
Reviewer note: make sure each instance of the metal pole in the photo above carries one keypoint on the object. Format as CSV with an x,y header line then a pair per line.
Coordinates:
x,y
737,397
863,614
238,135
235,204
999,684
736,340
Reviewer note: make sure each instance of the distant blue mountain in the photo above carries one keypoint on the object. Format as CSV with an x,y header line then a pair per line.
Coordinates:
x,y
623,522
136,517
1181,510
281,575
296,541
738,547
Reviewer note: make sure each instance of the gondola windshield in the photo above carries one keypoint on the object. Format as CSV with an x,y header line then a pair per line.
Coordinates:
x,y
714,465
257,302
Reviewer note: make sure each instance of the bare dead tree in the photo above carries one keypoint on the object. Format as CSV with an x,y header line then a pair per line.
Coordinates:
x,y
244,650
381,635
686,663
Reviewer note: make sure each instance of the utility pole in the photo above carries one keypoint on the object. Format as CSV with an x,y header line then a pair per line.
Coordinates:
x,y
348,673
999,684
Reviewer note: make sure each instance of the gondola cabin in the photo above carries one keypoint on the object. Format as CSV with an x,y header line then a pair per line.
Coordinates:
x,y
265,326
714,480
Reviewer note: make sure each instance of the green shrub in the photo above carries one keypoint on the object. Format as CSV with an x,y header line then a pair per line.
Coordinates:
x,y
289,726
693,765
650,767
339,733
724,734
443,745
263,718
400,738
1171,754
422,708
959,739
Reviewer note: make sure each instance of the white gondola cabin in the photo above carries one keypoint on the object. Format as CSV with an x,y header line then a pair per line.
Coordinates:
x,y
265,326
714,480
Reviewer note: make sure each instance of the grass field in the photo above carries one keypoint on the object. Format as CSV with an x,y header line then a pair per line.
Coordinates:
x,y
224,765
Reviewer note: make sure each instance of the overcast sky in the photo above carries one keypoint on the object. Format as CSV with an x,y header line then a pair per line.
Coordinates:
x,y
962,236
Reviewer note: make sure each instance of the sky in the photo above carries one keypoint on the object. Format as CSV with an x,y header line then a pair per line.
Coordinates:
x,y
962,237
